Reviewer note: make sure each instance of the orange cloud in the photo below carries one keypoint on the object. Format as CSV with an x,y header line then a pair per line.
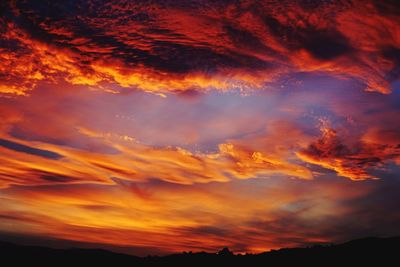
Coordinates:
x,y
171,217
135,162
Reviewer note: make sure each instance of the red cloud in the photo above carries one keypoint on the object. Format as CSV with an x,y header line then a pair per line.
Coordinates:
x,y
167,47
355,160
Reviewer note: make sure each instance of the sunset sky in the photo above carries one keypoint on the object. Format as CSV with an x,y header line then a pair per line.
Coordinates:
x,y
153,127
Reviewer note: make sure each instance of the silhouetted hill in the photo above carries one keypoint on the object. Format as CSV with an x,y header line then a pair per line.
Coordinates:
x,y
376,251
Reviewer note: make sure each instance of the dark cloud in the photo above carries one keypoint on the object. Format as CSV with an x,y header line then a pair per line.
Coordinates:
x,y
29,150
393,54
207,230
245,39
324,44
57,178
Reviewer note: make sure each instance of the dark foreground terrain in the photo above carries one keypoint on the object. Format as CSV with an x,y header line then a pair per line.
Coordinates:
x,y
371,251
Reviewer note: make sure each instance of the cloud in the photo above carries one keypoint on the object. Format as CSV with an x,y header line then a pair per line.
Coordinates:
x,y
215,137
203,45
262,107
29,150
177,217
355,160
97,146
134,162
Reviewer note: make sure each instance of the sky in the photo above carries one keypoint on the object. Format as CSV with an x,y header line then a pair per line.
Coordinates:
x,y
155,127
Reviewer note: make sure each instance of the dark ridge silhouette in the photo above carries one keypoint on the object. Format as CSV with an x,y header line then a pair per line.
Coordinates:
x,y
375,251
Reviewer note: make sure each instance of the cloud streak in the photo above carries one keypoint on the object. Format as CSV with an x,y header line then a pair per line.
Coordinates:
x,y
29,150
